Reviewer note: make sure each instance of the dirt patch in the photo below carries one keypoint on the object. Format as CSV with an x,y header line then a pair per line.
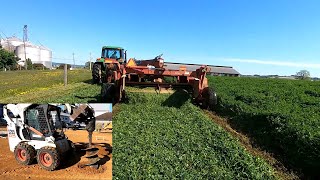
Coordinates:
x,y
281,170
10,169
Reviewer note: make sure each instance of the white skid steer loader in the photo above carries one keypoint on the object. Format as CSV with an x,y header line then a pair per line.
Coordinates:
x,y
35,132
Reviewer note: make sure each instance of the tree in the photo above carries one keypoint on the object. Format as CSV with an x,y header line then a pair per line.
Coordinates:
x,y
29,64
7,59
303,74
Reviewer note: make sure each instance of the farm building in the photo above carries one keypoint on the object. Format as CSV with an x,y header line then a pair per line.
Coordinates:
x,y
37,54
215,70
103,114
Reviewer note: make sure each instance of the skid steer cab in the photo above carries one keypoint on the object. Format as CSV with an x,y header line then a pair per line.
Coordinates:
x,y
35,132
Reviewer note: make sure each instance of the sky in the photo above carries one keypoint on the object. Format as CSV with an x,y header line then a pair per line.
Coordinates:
x,y
253,36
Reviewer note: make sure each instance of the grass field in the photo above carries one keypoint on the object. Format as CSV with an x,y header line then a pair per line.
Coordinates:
x,y
282,116
166,137
47,86
159,136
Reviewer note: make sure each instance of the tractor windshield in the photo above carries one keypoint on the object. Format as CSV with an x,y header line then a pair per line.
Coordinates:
x,y
111,53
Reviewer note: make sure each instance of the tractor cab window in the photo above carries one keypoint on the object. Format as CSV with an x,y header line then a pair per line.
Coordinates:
x,y
111,53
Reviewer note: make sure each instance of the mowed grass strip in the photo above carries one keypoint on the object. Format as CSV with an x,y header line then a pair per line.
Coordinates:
x,y
164,136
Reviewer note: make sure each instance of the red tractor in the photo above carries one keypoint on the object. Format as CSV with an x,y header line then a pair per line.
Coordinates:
x,y
115,72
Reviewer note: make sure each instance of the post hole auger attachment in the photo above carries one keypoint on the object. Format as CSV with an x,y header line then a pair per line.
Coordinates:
x,y
83,113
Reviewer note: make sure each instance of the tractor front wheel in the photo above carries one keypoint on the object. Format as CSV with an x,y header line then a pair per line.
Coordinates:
x,y
209,98
24,153
97,73
108,93
48,158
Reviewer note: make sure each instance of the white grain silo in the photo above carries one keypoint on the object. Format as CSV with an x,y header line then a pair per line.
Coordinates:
x,y
37,54
14,41
11,43
46,57
29,51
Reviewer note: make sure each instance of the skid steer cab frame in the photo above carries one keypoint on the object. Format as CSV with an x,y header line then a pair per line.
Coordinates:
x,y
35,132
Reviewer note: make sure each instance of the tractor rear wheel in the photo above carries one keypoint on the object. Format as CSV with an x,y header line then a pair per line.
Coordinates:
x,y
24,153
48,158
97,73
209,98
108,92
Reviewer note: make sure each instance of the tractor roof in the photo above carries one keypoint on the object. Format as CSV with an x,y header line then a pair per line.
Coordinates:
x,y
111,47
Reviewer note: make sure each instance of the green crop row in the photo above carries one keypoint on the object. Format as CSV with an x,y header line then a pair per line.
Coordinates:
x,y
164,136
282,116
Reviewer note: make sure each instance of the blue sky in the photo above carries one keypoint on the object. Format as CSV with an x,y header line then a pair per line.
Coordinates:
x,y
255,37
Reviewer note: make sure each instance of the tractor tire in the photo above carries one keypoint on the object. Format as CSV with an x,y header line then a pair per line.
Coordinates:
x,y
24,153
108,93
210,98
48,158
97,73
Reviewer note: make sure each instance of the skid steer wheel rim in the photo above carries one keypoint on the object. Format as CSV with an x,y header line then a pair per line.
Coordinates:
x,y
22,154
46,159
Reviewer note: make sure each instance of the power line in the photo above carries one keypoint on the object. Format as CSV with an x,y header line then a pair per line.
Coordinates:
x,y
4,34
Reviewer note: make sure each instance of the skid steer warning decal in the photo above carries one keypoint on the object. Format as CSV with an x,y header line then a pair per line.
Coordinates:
x,y
11,133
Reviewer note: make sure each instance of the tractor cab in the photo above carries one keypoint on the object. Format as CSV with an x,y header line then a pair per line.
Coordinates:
x,y
115,53
111,58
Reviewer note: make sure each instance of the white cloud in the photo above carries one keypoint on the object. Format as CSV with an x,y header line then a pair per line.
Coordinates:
x,y
275,63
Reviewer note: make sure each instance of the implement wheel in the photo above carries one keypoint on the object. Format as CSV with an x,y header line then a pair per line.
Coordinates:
x,y
48,158
108,93
24,154
210,98
97,73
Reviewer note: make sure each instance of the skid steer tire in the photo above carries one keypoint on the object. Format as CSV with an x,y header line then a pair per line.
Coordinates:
x,y
210,98
108,93
48,158
24,154
97,73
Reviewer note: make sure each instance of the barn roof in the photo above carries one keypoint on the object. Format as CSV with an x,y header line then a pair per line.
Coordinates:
x,y
105,116
193,67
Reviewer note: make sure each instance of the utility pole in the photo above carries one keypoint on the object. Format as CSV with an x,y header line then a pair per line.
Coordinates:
x,y
74,63
25,38
65,75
